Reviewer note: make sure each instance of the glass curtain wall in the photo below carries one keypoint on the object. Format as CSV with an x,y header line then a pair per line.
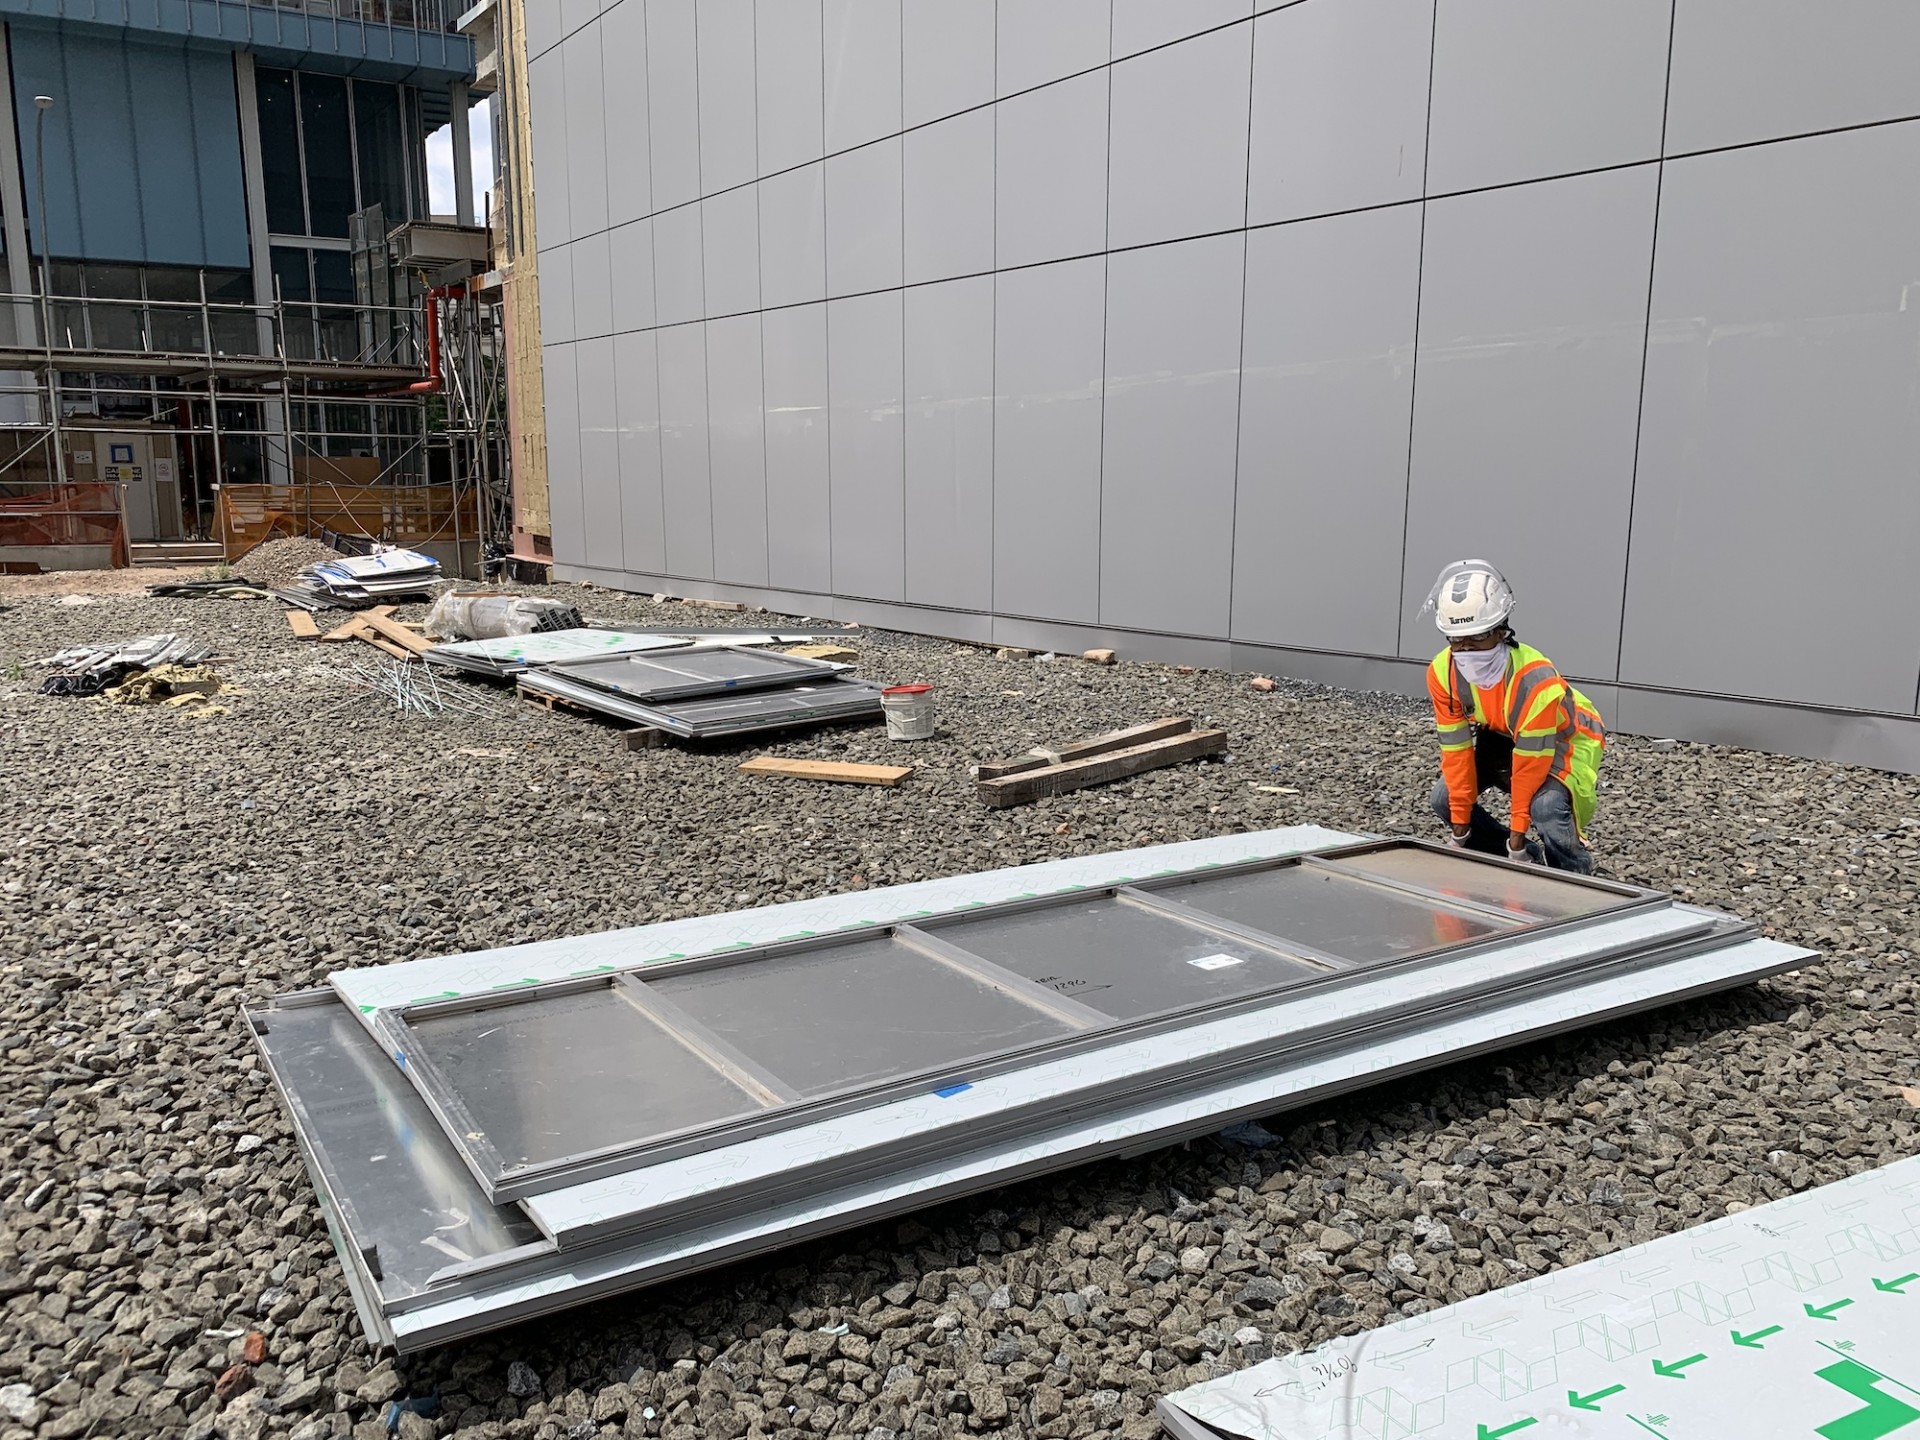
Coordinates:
x,y
331,147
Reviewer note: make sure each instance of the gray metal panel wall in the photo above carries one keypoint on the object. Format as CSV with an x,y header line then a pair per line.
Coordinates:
x,y
1172,407
1049,339
949,444
686,484
599,453
636,383
1747,70
1007,421
1326,402
738,459
1776,509
1533,314
799,541
1522,91
866,375
563,454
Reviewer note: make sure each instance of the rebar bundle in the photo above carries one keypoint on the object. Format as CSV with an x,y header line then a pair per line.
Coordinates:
x,y
418,689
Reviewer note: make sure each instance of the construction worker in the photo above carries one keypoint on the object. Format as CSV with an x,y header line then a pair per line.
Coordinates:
x,y
1508,721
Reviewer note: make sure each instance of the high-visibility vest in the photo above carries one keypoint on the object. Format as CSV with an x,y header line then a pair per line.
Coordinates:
x,y
1534,706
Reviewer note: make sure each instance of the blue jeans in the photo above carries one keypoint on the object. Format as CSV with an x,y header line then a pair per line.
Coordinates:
x,y
1559,846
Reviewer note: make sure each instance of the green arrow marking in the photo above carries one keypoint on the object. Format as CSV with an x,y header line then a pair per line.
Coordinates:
x,y
1895,1287
1752,1342
1883,1414
1825,1312
1672,1371
1486,1434
1591,1402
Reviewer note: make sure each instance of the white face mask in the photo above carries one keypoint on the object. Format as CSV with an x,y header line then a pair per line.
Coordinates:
x,y
1482,668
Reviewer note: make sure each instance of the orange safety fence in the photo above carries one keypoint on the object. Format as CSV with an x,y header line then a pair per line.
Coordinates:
x,y
79,514
398,514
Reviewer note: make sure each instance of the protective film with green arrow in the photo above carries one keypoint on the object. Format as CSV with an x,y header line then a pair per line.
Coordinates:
x,y
1794,1320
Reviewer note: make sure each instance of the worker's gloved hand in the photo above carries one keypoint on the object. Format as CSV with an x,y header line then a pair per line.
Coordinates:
x,y
1517,850
1456,841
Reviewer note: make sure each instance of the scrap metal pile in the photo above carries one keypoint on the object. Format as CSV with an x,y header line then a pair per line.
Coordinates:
x,y
354,582
90,669
505,1134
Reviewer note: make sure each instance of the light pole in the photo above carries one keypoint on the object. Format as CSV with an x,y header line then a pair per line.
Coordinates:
x,y
41,105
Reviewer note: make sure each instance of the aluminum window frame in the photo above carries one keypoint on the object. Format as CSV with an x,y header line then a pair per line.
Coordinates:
x,y
504,1181
786,670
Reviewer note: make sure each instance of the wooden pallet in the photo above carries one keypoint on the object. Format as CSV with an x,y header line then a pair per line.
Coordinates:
x,y
1019,782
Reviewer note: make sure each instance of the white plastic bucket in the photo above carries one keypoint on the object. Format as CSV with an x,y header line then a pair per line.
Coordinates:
x,y
909,711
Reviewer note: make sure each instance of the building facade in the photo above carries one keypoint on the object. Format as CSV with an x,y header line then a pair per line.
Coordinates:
x,y
191,173
1210,330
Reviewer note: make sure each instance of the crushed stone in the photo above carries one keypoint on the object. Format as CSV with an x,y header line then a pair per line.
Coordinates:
x,y
154,1209
278,561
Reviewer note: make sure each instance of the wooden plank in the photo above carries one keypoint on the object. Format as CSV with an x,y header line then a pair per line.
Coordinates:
x,y
303,625
643,737
357,626
1085,749
830,770
1099,769
399,634
380,643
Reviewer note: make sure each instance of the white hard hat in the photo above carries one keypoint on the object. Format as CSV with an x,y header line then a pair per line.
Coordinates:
x,y
1471,597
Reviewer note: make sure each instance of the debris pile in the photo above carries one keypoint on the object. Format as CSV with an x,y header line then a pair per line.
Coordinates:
x,y
175,685
279,562
211,588
351,582
89,669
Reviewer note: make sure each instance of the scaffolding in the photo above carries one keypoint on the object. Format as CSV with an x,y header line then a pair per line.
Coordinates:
x,y
400,394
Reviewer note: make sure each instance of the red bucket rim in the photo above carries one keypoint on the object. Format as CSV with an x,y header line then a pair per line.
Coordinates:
x,y
906,690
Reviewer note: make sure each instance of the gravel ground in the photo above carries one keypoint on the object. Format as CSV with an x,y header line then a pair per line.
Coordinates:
x,y
158,870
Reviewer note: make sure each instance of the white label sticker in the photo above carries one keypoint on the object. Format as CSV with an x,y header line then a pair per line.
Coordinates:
x,y
1214,962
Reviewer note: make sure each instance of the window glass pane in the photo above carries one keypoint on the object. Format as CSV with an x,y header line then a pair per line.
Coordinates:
x,y
663,677
1512,887
1346,918
124,397
383,148
173,308
329,150
234,332
333,284
349,433
114,327
1122,959
567,1074
846,1015
69,320
280,152
292,281
290,273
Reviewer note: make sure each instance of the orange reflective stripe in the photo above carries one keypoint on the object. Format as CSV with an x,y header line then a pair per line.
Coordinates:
x,y
1528,684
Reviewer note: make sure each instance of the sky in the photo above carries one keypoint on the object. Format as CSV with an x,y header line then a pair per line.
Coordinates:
x,y
440,162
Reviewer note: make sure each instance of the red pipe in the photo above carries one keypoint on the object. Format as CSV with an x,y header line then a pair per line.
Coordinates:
x,y
435,381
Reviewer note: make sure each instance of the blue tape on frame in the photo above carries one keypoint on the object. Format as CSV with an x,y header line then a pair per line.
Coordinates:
x,y
947,1092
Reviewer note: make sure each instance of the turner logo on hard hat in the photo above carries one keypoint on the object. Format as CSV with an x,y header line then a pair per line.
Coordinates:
x,y
1471,597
